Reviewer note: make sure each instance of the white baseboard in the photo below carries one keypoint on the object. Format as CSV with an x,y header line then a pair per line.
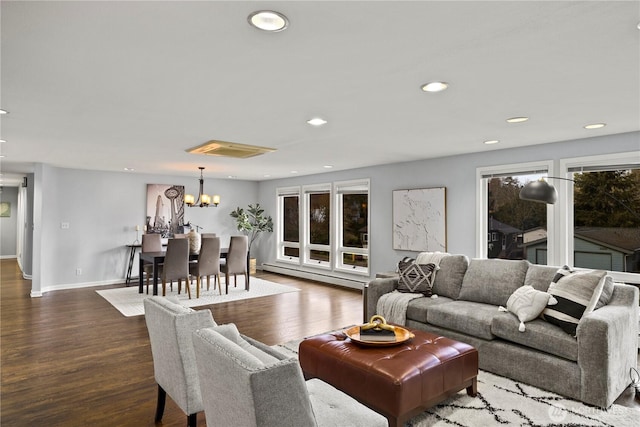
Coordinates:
x,y
320,277
8,257
85,285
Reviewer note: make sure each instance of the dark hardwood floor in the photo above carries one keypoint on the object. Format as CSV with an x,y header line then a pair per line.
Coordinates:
x,y
71,359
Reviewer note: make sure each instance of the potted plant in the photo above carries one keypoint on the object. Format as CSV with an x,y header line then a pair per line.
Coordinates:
x,y
252,222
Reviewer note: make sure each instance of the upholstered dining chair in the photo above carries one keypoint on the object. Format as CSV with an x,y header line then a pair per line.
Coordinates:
x,y
236,262
208,264
205,235
176,265
170,328
245,383
179,236
150,243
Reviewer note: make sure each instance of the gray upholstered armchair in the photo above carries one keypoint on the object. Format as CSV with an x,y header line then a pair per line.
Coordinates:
x,y
246,383
170,327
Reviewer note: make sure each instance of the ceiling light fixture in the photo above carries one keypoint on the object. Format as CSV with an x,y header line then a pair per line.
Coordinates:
x,y
491,141
204,200
327,166
4,112
434,86
595,126
517,119
268,20
317,121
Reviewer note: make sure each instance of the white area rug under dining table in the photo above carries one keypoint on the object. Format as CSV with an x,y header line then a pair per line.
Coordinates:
x,y
130,303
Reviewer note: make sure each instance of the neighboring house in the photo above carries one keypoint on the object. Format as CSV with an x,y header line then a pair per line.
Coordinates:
x,y
607,248
504,241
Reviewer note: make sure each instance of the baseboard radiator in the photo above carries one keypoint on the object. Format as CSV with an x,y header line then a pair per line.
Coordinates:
x,y
320,277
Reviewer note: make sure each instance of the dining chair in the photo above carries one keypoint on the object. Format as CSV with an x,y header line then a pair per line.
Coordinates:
x,y
236,262
150,243
205,235
208,264
179,236
245,383
176,265
170,326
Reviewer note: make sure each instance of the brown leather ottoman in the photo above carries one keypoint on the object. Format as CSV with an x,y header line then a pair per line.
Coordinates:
x,y
399,381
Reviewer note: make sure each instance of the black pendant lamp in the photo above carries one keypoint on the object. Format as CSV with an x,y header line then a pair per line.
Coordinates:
x,y
539,191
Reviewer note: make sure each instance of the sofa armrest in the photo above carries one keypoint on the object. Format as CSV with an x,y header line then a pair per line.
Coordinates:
x,y
372,293
608,347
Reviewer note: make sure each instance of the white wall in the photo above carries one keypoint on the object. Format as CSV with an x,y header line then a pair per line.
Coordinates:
x,y
102,210
456,173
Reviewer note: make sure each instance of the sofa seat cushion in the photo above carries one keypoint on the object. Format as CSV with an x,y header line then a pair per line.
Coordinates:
x,y
449,276
540,335
492,281
471,318
418,308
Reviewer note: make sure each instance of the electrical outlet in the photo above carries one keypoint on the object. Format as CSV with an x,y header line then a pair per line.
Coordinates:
x,y
64,225
78,271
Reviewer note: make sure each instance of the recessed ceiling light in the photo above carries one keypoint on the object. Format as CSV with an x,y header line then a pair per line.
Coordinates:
x,y
327,166
294,171
4,112
435,86
2,140
268,20
231,176
491,141
1,156
129,169
317,121
595,126
266,175
517,119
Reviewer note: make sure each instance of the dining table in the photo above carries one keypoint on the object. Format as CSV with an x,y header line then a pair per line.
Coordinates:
x,y
157,258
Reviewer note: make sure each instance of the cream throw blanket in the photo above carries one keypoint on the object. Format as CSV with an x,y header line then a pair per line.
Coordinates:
x,y
393,306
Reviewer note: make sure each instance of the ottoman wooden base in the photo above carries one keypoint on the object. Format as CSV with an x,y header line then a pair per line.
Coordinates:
x,y
398,382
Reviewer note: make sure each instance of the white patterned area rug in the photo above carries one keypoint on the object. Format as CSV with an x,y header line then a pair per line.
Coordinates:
x,y
130,303
504,402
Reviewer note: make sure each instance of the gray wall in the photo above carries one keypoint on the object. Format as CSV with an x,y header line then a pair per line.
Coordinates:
x,y
9,226
456,173
102,210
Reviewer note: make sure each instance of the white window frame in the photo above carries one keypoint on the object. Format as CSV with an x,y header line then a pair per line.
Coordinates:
x,y
307,191
345,187
566,208
482,194
282,244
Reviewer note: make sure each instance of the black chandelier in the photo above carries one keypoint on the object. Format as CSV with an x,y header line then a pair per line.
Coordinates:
x,y
204,200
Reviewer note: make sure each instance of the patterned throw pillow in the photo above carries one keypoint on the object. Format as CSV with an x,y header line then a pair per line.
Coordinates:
x,y
577,293
415,278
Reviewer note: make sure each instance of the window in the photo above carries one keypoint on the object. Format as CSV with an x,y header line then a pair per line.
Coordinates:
x,y
595,222
603,221
288,224
352,201
512,228
327,228
318,225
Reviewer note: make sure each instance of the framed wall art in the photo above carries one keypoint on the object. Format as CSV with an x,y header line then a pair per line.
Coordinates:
x,y
165,209
420,220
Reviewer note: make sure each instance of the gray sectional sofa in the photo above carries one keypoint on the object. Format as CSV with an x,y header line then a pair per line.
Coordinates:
x,y
592,367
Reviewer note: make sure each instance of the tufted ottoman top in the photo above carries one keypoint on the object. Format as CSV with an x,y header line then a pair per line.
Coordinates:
x,y
398,381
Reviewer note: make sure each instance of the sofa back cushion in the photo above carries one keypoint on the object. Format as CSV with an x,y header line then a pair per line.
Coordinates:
x,y
449,276
492,281
540,276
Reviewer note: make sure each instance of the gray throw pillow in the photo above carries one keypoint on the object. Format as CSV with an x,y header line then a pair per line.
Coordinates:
x,y
415,278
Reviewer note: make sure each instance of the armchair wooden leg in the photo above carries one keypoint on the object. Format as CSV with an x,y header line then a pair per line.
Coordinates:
x,y
226,281
162,397
192,420
164,289
187,284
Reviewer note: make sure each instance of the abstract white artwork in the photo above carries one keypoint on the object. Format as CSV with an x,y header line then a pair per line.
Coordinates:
x,y
419,220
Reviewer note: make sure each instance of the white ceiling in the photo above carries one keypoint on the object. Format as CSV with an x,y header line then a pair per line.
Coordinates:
x,y
109,85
